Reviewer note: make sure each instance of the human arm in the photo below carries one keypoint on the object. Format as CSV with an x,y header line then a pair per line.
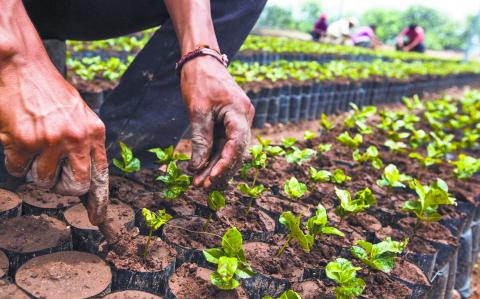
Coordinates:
x,y
400,37
45,127
220,112
419,35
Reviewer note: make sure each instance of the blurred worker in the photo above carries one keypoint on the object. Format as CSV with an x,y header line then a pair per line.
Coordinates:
x,y
411,39
320,28
339,32
365,37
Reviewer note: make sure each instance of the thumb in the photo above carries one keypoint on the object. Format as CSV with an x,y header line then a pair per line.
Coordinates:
x,y
202,139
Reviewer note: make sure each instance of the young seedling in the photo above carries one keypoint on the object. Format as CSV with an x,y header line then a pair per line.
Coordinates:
x,y
425,207
465,166
258,162
294,189
298,157
371,155
396,146
339,177
345,275
308,136
216,201
326,124
231,261
352,143
432,158
392,178
323,148
167,155
289,294
292,224
380,256
154,221
418,138
271,151
129,163
362,200
322,176
175,180
318,224
289,142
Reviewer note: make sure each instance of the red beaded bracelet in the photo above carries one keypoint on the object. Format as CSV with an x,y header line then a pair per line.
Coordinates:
x,y
202,50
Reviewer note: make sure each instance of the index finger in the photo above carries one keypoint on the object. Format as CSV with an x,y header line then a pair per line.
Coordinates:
x,y
99,192
237,129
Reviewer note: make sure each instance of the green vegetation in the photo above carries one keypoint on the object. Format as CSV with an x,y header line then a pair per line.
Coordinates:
x,y
318,224
167,155
292,224
362,200
380,256
392,178
231,261
176,182
345,275
154,221
129,163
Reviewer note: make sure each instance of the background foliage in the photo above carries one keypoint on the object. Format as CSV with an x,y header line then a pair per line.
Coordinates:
x,y
441,32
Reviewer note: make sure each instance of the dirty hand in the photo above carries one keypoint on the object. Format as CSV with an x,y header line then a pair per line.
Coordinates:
x,y
221,116
48,131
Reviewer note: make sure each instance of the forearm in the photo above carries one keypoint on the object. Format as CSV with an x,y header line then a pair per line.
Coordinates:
x,y
193,23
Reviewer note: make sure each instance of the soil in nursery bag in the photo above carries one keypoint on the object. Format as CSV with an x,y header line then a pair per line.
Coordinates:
x,y
314,289
69,274
10,204
24,237
87,237
131,270
3,264
125,189
131,294
275,205
191,281
38,201
189,236
11,291
253,223
380,285
263,259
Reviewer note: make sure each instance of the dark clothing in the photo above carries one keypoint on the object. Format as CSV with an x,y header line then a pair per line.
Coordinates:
x,y
319,29
146,109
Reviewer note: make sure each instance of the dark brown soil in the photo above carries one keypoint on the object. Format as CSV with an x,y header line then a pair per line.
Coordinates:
x,y
409,272
432,231
414,245
379,285
253,220
118,212
315,289
276,205
188,232
26,234
69,274
8,200
124,189
128,254
191,281
11,291
3,264
43,198
131,294
262,258
364,221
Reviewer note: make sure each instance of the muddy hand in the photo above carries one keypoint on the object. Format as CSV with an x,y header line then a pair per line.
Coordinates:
x,y
221,116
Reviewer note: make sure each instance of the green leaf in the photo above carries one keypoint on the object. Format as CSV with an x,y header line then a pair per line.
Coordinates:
x,y
393,178
289,294
216,200
289,142
232,243
350,142
294,189
212,255
293,226
155,220
129,163
319,176
323,148
380,256
339,177
308,135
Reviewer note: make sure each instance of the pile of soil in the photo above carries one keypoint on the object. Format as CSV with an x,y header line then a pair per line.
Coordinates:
x,y
191,281
69,274
4,264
